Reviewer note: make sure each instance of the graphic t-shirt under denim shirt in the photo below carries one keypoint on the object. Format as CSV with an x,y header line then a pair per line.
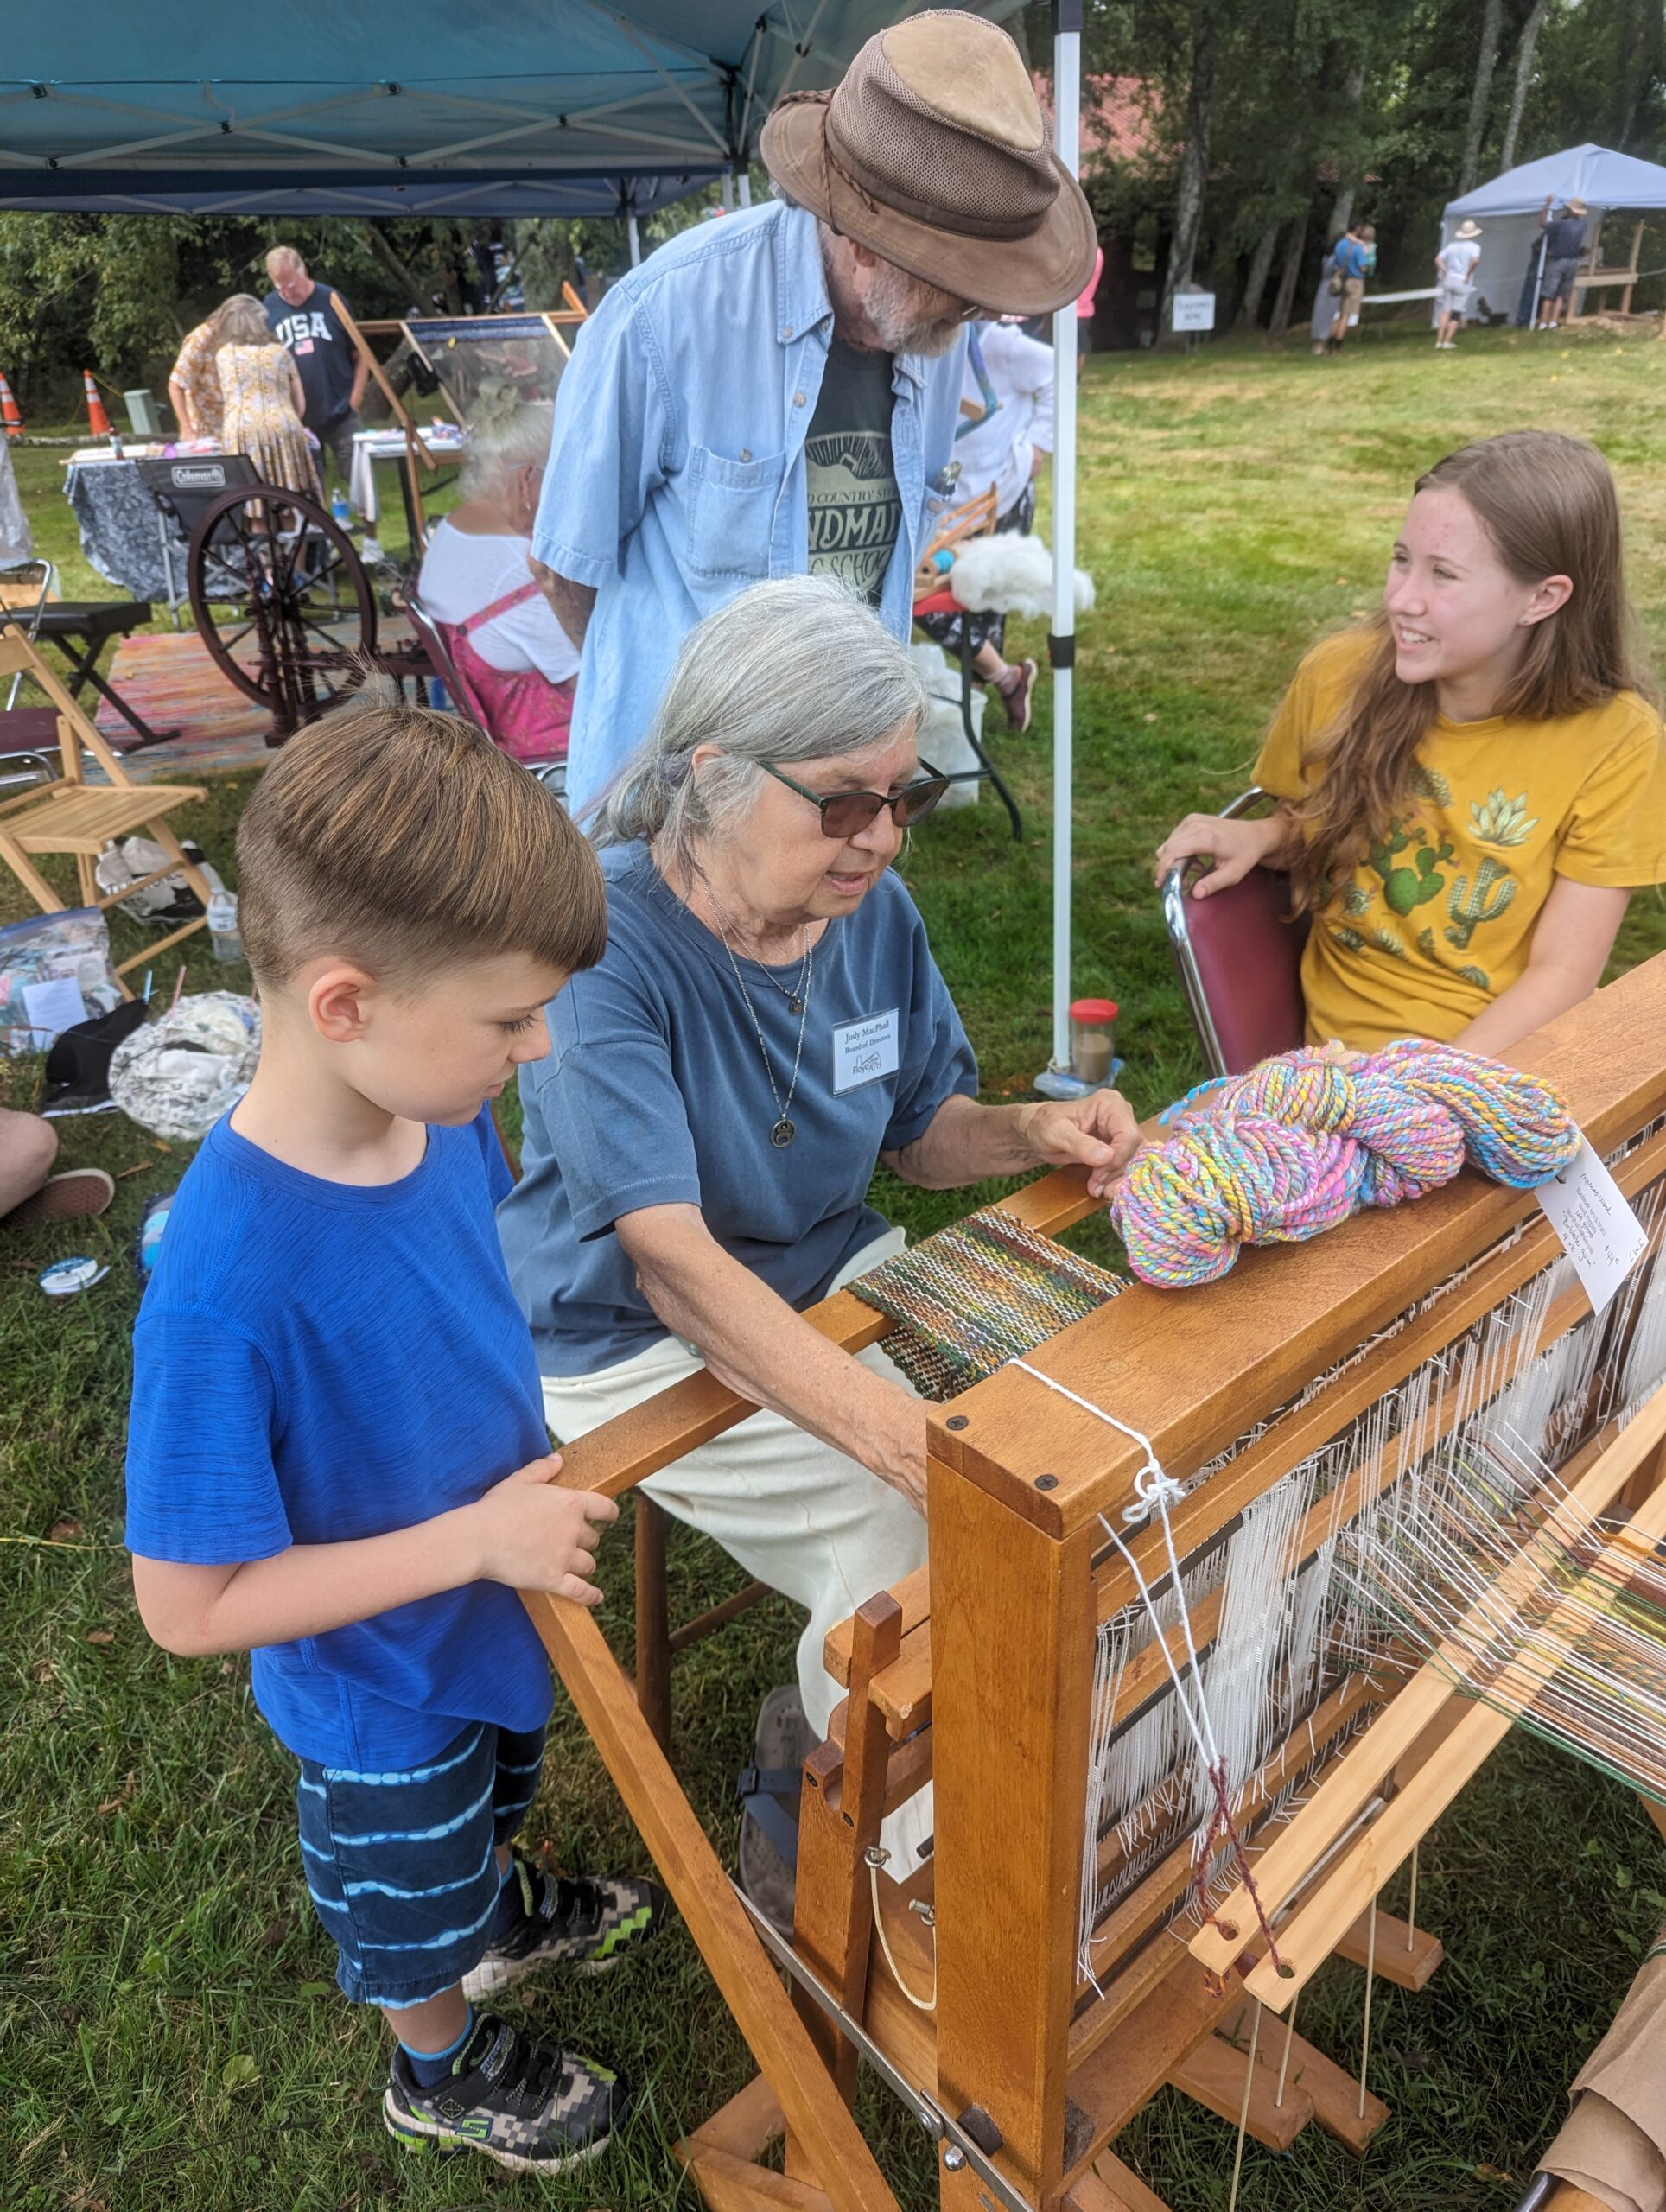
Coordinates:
x,y
654,1093
319,1361
854,510
678,472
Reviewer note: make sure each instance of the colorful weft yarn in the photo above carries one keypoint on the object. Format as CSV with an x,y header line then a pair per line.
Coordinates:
x,y
977,1294
1303,1140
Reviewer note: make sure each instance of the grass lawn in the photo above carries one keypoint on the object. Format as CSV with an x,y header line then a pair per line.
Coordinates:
x,y
169,2034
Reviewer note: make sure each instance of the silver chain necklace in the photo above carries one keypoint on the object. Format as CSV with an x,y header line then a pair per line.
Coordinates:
x,y
783,1132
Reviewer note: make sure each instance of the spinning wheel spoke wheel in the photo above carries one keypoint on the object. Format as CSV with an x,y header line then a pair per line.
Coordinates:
x,y
282,602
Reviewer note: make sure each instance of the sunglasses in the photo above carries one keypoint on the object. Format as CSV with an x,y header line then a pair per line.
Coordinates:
x,y
847,814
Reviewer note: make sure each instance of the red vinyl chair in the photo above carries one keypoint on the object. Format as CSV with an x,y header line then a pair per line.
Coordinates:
x,y
1239,957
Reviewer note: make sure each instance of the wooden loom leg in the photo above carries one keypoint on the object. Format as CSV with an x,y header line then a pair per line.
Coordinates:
x,y
1656,1813
841,1807
653,1626
1113,2187
1009,1760
716,1919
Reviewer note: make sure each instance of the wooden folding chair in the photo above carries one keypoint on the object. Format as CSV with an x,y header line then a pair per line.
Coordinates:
x,y
69,815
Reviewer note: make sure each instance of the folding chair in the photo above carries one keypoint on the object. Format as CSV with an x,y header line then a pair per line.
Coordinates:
x,y
1239,957
431,636
25,588
69,815
932,596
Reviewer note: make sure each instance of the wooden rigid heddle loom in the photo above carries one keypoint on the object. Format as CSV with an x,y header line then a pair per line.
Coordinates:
x,y
1230,1590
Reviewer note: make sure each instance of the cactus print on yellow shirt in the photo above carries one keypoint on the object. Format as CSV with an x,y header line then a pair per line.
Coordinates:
x,y
1438,919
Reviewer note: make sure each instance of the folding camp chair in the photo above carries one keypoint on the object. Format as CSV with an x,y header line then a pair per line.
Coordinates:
x,y
69,815
932,596
25,588
1239,957
431,636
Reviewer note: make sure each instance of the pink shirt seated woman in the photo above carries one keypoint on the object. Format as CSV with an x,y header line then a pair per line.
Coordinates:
x,y
509,651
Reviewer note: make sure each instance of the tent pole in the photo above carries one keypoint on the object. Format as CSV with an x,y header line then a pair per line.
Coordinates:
x,y
1061,643
743,189
635,238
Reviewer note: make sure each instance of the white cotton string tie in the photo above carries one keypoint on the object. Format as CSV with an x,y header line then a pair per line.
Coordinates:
x,y
877,1855
1244,2111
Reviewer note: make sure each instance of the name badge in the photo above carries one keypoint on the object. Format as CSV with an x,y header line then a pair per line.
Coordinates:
x,y
865,1050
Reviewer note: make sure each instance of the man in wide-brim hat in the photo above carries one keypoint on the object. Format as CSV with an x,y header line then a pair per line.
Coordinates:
x,y
1564,242
780,391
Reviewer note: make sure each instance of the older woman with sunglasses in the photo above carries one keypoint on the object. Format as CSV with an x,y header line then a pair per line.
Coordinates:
x,y
766,1026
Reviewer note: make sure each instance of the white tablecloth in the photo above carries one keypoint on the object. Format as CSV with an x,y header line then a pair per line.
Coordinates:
x,y
443,441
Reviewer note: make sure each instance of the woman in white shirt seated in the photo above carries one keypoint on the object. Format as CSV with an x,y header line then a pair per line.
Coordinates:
x,y
513,658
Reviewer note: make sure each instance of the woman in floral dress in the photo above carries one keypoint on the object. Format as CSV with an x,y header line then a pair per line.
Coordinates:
x,y
261,387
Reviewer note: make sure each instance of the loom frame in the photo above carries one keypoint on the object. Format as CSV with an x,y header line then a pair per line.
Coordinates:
x,y
1042,2074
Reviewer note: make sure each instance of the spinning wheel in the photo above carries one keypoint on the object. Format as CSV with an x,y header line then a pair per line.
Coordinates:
x,y
282,602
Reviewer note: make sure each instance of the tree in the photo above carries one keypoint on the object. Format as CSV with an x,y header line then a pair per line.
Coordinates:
x,y
1194,164
1528,39
1486,61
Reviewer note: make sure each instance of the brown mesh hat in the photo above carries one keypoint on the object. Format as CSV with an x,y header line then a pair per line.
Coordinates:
x,y
933,151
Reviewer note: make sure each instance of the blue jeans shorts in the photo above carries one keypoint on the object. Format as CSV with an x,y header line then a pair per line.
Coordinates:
x,y
401,1865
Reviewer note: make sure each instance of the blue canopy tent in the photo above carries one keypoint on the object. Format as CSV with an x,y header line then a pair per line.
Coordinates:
x,y
1508,209
501,108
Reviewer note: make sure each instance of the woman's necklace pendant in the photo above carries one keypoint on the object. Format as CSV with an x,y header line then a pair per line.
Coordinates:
x,y
782,1133
795,1004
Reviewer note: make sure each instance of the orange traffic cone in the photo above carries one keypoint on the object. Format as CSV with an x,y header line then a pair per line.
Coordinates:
x,y
95,407
10,420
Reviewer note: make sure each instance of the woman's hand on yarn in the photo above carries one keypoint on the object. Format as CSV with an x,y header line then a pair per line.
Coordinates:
x,y
534,1535
1098,1133
1233,847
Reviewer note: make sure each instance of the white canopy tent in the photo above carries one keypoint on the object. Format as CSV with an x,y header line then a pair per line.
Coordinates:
x,y
1509,207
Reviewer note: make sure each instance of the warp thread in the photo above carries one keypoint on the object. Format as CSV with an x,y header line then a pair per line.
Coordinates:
x,y
1304,1140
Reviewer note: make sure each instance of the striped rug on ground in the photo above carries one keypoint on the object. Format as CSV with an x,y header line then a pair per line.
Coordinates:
x,y
169,682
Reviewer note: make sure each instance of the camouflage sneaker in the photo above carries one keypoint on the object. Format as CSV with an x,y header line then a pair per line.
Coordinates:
x,y
586,1924
526,2103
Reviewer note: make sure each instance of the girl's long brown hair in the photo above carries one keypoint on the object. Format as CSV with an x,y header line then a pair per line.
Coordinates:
x,y
1547,502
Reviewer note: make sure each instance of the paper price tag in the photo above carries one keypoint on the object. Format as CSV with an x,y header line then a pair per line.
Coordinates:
x,y
1593,1216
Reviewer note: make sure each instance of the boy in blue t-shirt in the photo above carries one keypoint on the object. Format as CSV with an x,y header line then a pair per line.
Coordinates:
x,y
337,1458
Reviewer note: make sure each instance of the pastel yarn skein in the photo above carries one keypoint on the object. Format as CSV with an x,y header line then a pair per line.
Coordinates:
x,y
1303,1140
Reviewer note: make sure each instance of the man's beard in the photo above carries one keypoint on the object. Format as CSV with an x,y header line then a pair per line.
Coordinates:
x,y
909,315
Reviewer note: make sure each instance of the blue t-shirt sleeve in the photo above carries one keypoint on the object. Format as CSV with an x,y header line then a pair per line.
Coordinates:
x,y
939,1062
499,1178
612,409
201,1486
615,1116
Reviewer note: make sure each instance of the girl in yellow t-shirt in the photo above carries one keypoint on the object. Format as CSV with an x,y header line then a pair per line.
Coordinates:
x,y
1469,784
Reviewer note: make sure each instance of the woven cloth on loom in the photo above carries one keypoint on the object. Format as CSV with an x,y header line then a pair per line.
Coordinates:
x,y
977,1294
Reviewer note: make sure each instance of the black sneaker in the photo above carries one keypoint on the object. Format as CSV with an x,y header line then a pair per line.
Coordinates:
x,y
586,1924
524,2102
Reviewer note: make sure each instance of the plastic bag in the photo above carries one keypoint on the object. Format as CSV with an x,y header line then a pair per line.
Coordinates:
x,y
178,1074
73,946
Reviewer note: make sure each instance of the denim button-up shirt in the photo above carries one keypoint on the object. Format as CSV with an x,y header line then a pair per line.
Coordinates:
x,y
676,474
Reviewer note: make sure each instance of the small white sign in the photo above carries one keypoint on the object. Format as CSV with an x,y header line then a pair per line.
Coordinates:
x,y
53,1007
1599,1232
865,1050
1194,311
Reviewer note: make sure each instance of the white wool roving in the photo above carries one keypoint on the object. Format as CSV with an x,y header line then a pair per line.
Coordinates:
x,y
1010,574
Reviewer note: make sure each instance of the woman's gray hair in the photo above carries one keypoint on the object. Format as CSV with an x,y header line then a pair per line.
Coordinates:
x,y
504,435
796,669
241,321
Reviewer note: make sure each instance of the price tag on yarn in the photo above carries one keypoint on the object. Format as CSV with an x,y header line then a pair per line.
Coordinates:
x,y
1594,1217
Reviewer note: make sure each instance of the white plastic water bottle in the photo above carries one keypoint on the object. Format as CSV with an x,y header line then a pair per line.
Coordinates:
x,y
222,925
